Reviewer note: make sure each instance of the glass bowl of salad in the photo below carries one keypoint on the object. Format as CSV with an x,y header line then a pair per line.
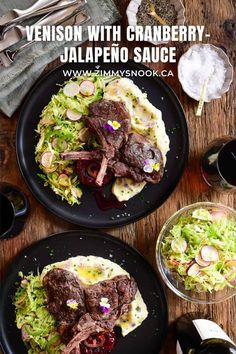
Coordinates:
x,y
196,253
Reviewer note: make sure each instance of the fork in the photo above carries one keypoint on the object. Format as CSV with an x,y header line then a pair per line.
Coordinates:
x,y
20,32
59,6
8,56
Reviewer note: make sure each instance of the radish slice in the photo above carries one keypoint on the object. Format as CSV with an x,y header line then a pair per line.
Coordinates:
x,y
72,115
25,335
63,144
63,175
231,263
201,262
24,282
218,215
76,192
50,169
72,89
84,135
63,180
47,159
179,246
193,270
209,254
54,143
87,88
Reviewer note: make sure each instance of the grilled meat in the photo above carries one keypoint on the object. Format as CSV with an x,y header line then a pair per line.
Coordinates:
x,y
119,291
134,153
100,113
129,160
82,331
76,324
63,286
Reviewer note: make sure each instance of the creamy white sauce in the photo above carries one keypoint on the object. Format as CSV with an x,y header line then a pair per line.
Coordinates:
x,y
125,188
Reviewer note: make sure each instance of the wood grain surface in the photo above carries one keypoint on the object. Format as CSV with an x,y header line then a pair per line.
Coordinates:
x,y
218,118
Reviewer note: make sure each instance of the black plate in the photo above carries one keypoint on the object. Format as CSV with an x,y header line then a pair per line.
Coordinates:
x,y
67,244
88,213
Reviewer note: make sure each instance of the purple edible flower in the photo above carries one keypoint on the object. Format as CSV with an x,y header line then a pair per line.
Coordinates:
x,y
109,128
104,309
151,165
104,305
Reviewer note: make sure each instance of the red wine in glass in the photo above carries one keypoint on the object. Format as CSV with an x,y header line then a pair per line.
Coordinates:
x,y
6,214
219,164
14,209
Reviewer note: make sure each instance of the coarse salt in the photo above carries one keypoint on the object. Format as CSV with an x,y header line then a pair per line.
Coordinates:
x,y
198,65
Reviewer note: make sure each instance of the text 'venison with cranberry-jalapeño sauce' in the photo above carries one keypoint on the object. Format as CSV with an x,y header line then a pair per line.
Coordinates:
x,y
201,336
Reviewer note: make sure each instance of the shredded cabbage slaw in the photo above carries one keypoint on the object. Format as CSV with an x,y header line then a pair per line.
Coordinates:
x,y
59,130
201,248
37,325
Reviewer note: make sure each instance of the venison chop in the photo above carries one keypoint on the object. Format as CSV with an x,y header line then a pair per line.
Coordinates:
x,y
78,324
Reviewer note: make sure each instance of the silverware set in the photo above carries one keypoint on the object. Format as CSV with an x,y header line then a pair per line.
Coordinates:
x,y
63,12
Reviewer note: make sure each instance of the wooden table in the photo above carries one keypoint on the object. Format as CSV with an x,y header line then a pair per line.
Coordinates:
x,y
218,119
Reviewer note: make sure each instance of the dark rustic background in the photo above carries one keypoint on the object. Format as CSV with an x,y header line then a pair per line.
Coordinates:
x,y
218,119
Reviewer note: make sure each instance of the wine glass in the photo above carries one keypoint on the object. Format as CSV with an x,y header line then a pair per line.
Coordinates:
x,y
219,164
14,209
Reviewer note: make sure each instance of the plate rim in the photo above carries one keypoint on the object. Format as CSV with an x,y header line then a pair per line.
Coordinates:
x,y
89,233
118,222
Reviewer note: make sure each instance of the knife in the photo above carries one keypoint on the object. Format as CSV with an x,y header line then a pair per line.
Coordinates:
x,y
18,33
60,6
38,5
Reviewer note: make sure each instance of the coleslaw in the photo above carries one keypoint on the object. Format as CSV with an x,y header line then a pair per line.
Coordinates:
x,y
61,129
37,325
201,249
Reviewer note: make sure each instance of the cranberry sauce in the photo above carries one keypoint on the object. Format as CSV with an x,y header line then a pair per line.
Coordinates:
x,y
88,171
101,343
106,203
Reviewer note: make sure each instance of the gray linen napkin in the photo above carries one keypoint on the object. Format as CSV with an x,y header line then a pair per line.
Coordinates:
x,y
16,80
